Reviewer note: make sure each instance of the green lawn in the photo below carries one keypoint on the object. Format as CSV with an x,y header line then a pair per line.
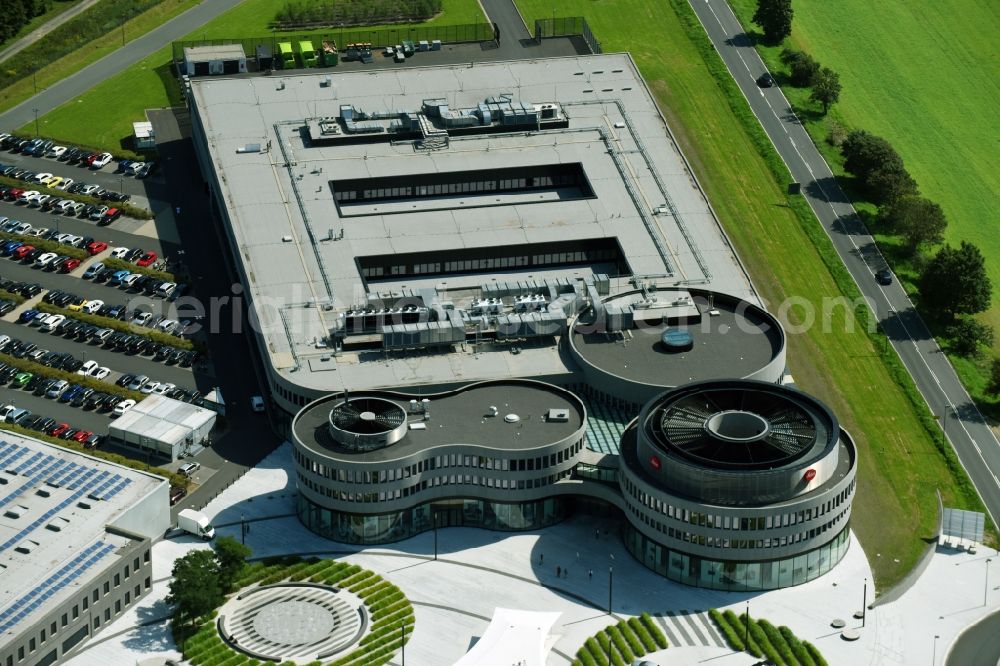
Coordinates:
x,y
900,466
103,116
926,76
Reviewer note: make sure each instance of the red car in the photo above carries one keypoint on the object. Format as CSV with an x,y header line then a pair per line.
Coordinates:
x,y
69,265
82,436
91,158
21,251
146,259
58,430
96,247
14,193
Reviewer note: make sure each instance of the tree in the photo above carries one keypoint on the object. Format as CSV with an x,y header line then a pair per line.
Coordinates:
x,y
826,88
993,385
968,336
775,18
230,556
919,221
801,67
195,586
14,18
877,165
955,282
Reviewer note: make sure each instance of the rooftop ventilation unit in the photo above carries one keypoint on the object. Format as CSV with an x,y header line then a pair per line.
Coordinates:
x,y
557,416
249,148
366,423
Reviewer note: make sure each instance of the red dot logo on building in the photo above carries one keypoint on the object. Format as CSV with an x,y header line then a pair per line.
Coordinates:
x,y
655,463
810,475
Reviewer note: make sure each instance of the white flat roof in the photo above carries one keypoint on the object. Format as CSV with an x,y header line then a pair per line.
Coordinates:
x,y
163,419
282,210
44,529
513,637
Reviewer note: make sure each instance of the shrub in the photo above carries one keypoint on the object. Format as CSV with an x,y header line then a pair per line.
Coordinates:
x,y
801,67
355,12
591,653
733,638
814,652
654,630
775,638
634,644
17,298
620,643
758,636
798,649
639,630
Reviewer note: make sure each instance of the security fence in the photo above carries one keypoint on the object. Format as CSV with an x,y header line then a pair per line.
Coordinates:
x,y
376,36
567,26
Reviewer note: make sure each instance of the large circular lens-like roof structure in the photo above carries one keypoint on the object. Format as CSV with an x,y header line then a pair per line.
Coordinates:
x,y
740,425
366,423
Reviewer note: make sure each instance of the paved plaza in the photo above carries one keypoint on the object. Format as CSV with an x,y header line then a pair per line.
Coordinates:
x,y
476,571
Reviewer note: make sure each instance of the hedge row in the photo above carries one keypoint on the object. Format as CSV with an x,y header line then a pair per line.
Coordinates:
x,y
739,625
620,644
47,245
733,637
827,252
9,296
122,265
118,325
654,630
174,478
778,644
127,209
798,649
73,378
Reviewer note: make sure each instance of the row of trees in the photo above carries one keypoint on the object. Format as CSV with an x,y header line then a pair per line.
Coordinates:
x,y
17,13
804,71
202,578
355,12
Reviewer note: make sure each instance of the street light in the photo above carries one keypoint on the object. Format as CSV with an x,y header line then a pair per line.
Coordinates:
x,y
934,653
986,582
864,603
746,627
435,539
611,582
36,122
402,641
243,529
55,221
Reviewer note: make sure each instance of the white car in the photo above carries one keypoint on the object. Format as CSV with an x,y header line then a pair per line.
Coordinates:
x,y
40,231
64,206
123,407
43,178
61,238
102,161
90,189
78,207
167,325
40,200
135,167
22,228
52,321
56,151
150,386
90,307
45,259
27,197
164,388
257,403
100,373
131,279
87,367
142,318
65,184
120,252
70,239
137,382
6,411
4,339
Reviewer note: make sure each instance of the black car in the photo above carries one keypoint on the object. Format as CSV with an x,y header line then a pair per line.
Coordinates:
x,y
31,256
93,400
134,254
189,358
45,424
765,80
34,382
72,365
884,277
163,353
47,298
7,374
125,380
44,386
31,290
104,274
49,358
94,442
81,397
6,306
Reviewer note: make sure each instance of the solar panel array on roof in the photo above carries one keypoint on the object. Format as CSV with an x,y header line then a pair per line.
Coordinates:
x,y
69,572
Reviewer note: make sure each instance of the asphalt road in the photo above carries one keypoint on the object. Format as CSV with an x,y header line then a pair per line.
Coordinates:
x,y
979,645
976,445
113,63
45,28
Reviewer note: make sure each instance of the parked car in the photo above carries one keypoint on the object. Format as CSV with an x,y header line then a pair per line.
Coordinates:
x,y
147,259
189,468
57,389
123,407
110,216
120,252
96,247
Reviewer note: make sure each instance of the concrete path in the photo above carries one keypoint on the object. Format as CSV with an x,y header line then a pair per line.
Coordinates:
x,y
45,28
113,63
970,435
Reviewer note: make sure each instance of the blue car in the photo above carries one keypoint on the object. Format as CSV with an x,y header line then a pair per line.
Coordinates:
x,y
8,248
70,393
117,277
27,316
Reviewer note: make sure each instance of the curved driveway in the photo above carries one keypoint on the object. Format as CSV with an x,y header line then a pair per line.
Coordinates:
x,y
979,645
976,445
113,63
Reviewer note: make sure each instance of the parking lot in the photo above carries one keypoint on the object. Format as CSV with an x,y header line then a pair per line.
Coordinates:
x,y
123,232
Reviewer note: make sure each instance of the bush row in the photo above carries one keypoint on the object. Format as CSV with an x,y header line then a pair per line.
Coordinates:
x,y
17,298
798,649
118,325
47,245
174,478
733,637
127,209
654,630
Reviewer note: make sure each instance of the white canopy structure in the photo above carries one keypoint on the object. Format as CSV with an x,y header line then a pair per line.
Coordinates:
x,y
513,637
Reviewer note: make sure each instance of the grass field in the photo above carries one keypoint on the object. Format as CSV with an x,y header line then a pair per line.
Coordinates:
x,y
149,83
900,466
926,76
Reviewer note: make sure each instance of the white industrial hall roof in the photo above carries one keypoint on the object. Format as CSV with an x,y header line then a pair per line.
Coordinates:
x,y
163,419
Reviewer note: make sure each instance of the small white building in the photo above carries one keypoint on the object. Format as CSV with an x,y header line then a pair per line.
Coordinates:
x,y
164,427
143,136
214,60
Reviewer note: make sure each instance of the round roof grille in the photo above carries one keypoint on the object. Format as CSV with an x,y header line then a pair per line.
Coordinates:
x,y
737,427
367,416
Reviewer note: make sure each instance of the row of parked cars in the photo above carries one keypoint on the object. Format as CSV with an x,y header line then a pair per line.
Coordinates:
x,y
103,215
49,426
72,155
66,184
128,343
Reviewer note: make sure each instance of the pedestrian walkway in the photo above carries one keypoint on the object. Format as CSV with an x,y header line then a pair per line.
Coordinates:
x,y
689,628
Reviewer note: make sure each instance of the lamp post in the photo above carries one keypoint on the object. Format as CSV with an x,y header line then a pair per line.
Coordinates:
x,y
746,627
36,122
611,582
55,221
243,529
435,539
402,643
986,582
864,603
934,651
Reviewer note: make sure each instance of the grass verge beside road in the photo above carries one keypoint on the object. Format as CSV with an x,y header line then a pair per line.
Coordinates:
x,y
902,456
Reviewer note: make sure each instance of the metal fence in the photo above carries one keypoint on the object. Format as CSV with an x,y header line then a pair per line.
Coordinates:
x,y
567,26
377,37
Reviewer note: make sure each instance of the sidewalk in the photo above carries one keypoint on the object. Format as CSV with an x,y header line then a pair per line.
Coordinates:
x,y
477,570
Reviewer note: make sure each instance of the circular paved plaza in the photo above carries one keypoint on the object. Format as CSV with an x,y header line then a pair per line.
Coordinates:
x,y
293,621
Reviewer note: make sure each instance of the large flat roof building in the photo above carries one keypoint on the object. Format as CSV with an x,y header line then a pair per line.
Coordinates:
x,y
75,533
